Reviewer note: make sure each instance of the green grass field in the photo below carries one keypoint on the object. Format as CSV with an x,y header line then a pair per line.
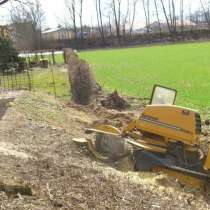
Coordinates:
x,y
43,80
134,71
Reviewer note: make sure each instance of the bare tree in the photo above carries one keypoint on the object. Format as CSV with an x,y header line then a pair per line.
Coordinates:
x,y
205,13
27,21
71,6
146,7
125,18
190,16
157,15
132,19
19,1
170,14
100,19
110,24
116,9
81,19
3,2
182,15
148,12
166,16
173,15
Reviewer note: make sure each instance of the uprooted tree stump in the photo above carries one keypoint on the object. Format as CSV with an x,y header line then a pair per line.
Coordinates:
x,y
83,85
114,101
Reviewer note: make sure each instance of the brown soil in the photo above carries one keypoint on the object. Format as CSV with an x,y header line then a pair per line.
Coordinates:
x,y
114,101
36,150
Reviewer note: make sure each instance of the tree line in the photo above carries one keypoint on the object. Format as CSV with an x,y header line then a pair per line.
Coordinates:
x,y
112,18
118,17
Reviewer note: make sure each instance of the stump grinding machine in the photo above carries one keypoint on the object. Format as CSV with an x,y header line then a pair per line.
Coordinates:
x,y
165,138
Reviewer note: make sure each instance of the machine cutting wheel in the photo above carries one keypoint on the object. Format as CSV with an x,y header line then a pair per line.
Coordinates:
x,y
164,138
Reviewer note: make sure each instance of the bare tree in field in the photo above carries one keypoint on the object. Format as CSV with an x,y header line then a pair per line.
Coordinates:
x,y
110,24
190,16
100,19
132,16
157,15
37,16
27,19
116,10
71,6
182,15
173,16
166,16
81,18
170,14
205,14
125,18
148,11
146,7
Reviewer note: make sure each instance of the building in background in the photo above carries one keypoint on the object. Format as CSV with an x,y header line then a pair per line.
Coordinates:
x,y
57,34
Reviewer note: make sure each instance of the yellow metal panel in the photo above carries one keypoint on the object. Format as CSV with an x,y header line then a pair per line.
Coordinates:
x,y
108,129
172,122
141,139
207,162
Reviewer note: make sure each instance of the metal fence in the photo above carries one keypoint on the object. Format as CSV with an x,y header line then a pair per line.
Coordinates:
x,y
14,75
15,81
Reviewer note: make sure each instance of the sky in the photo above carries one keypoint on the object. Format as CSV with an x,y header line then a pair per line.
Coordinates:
x,y
55,11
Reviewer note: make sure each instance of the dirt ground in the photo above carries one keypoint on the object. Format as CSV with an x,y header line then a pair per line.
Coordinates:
x,y
36,150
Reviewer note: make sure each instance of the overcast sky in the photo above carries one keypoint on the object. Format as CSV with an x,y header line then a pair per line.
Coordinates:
x,y
55,11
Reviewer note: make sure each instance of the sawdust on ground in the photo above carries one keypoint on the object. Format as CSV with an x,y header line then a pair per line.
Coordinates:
x,y
36,150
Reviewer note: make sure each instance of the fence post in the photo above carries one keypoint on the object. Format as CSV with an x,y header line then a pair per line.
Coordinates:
x,y
64,56
54,87
53,81
42,56
29,80
53,57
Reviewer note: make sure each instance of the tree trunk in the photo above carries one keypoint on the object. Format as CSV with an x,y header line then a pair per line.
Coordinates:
x,y
117,18
205,14
174,15
80,18
145,14
182,15
166,17
157,14
133,17
100,20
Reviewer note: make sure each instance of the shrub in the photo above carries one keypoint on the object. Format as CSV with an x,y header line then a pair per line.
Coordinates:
x,y
8,55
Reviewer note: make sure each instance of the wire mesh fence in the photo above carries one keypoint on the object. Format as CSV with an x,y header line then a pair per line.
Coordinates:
x,y
15,81
14,74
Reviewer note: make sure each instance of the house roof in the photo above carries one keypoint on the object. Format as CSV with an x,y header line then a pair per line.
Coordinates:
x,y
51,30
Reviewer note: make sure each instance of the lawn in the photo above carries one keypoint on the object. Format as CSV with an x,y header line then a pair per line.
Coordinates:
x,y
43,80
134,71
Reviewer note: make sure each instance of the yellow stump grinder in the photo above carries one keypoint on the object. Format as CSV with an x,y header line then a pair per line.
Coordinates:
x,y
165,138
